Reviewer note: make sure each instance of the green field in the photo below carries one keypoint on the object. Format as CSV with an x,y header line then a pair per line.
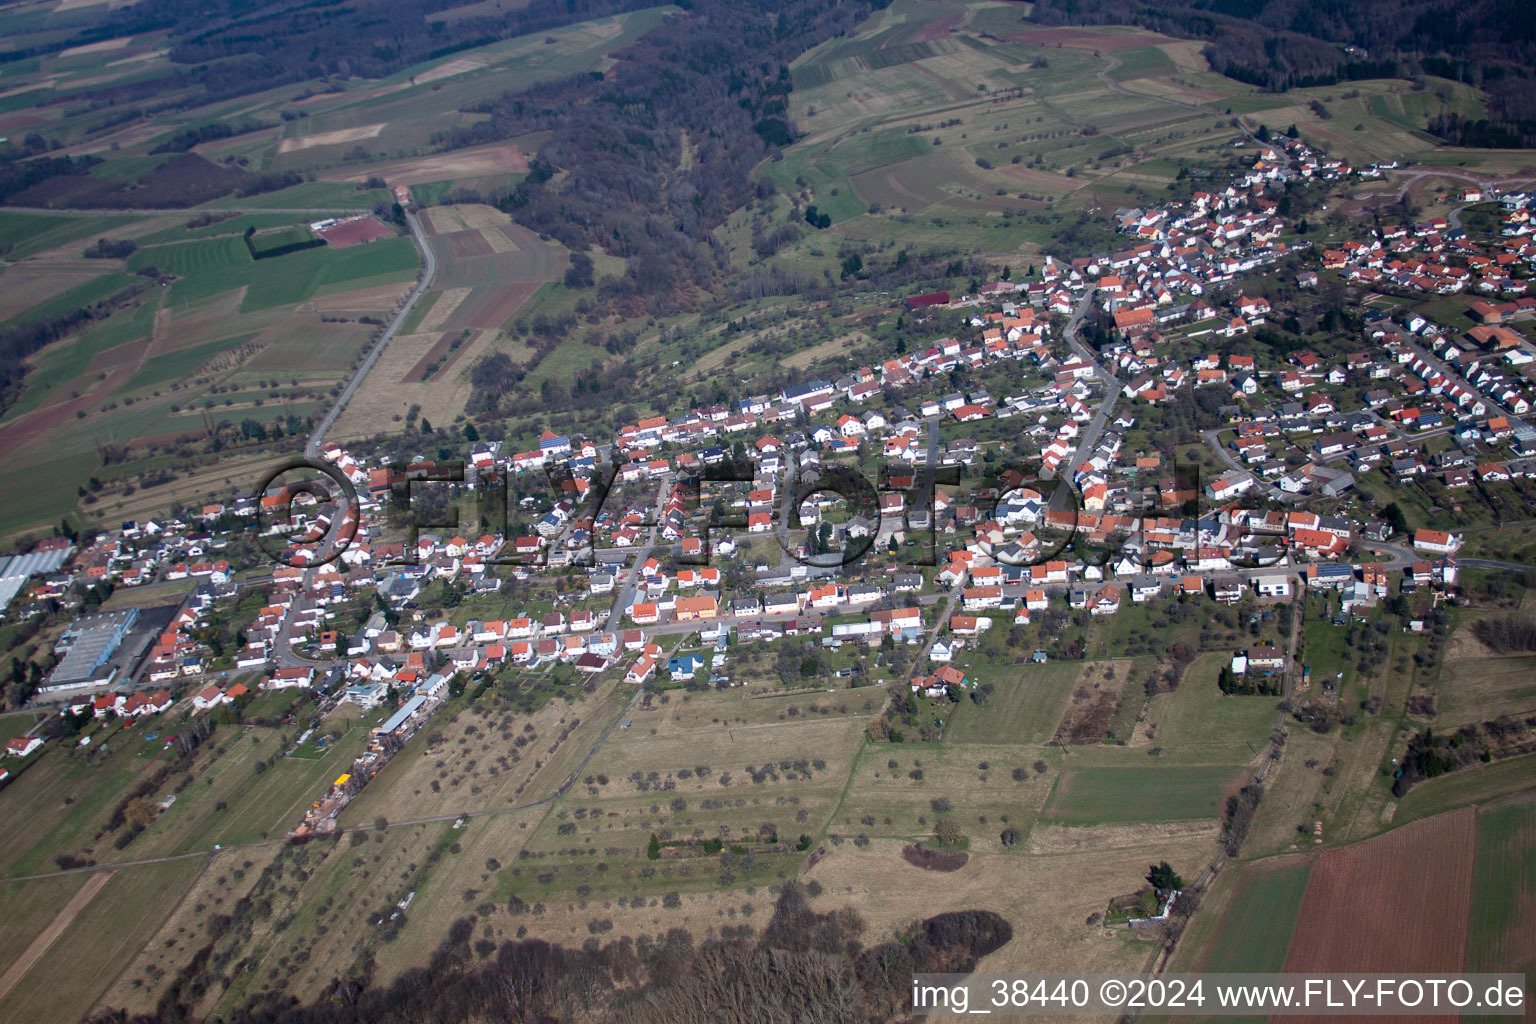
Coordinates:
x,y
1199,723
317,196
263,243
208,267
1324,649
1094,795
85,294
1141,62
271,703
1503,888
1255,928
59,803
1480,689
113,927
1025,707
256,805
28,907
405,113
18,724
32,233
1477,784
65,360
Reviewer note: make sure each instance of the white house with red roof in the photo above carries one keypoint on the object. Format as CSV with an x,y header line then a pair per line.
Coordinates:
x,y
21,746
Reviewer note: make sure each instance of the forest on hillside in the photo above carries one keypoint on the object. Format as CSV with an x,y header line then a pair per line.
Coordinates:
x,y
713,81
805,966
1284,44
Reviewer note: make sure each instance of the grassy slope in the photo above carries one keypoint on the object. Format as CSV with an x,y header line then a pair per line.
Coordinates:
x,y
1093,795
1503,888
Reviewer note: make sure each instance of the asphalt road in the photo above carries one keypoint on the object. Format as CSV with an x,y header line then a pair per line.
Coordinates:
x,y
1408,177
1089,436
182,211
312,446
285,657
632,577
1264,490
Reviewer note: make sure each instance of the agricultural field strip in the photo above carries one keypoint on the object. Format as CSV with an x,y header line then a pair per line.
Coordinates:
x,y
421,820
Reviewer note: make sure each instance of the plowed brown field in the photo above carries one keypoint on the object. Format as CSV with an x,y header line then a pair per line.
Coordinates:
x,y
1396,904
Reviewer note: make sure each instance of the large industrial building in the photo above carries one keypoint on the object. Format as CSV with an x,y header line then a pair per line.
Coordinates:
x,y
16,570
89,646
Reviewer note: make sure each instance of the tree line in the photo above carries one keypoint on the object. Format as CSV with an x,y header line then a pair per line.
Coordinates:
x,y
17,343
806,965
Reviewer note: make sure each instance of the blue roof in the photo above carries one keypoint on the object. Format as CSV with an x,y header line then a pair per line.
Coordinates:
x,y
397,719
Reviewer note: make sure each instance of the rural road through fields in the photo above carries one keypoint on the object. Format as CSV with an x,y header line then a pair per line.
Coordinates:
x,y
176,211
286,656
39,946
312,446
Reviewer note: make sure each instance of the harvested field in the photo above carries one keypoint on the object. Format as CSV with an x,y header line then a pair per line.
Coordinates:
x,y
499,239
1165,88
1188,54
335,138
1035,178
1084,38
431,360
447,69
937,27
1071,839
465,163
489,309
920,856
476,216
440,220
379,297
826,350
1046,897
355,232
61,922
481,288
467,244
101,47
473,341
447,301
1484,688
1396,903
